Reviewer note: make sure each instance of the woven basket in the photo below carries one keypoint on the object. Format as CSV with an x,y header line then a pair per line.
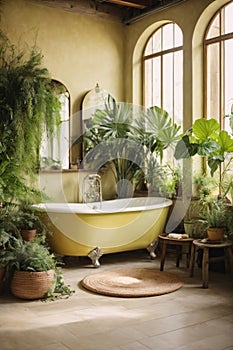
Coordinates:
x,y
32,285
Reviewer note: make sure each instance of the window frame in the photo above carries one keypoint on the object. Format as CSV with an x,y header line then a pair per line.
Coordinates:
x,y
161,54
220,40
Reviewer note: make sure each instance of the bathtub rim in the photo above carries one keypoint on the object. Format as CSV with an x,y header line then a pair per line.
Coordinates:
x,y
93,208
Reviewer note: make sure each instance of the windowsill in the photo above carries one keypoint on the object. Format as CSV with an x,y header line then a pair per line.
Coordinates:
x,y
63,171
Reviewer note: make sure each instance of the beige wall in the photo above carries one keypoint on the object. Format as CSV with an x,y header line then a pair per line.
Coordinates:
x,y
79,50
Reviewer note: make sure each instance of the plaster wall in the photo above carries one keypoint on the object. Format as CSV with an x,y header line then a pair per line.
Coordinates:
x,y
79,50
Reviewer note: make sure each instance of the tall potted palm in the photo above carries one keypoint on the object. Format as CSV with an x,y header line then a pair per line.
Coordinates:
x,y
131,138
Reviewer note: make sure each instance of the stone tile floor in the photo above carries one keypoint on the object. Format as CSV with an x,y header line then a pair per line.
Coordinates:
x,y
191,318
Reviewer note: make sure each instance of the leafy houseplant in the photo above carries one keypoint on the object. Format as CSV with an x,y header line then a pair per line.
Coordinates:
x,y
28,223
114,133
207,140
216,217
32,270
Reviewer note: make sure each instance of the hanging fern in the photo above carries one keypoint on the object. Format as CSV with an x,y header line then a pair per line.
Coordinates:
x,y
29,106
28,103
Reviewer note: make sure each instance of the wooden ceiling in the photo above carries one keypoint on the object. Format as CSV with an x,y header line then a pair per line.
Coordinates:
x,y
125,11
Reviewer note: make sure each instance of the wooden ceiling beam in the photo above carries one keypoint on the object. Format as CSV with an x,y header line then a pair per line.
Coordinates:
x,y
140,4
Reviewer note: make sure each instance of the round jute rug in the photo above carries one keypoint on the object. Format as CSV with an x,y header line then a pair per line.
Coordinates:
x,y
132,282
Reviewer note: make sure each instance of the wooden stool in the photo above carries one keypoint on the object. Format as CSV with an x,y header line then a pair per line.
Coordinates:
x,y
206,246
180,244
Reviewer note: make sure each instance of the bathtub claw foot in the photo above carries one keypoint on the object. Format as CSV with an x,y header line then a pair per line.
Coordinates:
x,y
152,248
94,255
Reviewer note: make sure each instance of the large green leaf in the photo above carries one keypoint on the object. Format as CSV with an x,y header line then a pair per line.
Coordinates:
x,y
225,141
185,149
205,149
205,129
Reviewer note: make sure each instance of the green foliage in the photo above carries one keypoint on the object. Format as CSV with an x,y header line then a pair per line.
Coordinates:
x,y
28,218
8,230
61,289
216,214
132,138
207,140
35,257
29,105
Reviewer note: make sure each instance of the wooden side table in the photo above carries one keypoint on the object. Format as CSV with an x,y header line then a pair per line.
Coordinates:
x,y
181,246
206,246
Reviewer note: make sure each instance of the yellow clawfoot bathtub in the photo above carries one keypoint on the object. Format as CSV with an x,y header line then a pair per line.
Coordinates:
x,y
93,229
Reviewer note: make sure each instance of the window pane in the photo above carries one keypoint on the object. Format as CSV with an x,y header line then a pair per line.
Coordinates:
x,y
213,82
178,87
178,36
156,100
214,29
154,44
228,12
153,82
168,82
228,103
148,82
167,36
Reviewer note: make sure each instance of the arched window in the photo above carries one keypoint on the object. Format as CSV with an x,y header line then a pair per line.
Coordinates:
x,y
55,152
163,71
218,46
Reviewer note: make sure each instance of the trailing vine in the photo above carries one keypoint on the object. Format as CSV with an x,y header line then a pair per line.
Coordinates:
x,y
29,106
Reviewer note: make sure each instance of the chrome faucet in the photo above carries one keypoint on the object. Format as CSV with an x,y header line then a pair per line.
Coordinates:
x,y
92,189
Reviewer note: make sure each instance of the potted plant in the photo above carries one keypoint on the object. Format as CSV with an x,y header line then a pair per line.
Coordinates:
x,y
27,222
114,133
216,217
32,271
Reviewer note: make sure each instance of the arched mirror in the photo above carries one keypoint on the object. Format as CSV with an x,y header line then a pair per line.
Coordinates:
x,y
95,100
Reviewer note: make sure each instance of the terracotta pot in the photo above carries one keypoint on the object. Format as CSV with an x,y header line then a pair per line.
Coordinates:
x,y
32,285
215,233
28,235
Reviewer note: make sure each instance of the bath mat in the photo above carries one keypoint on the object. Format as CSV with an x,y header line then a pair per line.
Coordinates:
x,y
132,282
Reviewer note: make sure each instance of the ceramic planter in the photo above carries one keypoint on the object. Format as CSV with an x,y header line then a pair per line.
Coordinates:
x,y
28,235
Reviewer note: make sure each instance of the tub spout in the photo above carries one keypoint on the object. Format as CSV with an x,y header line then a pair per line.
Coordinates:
x,y
92,189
